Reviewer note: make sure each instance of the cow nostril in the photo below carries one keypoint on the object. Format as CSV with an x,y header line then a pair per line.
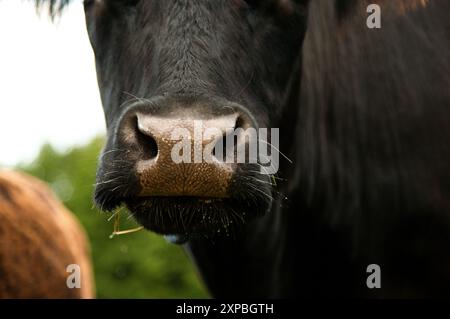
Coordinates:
x,y
240,123
220,149
227,144
146,142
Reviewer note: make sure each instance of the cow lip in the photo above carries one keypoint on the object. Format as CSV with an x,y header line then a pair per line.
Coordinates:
x,y
175,200
187,216
198,196
205,200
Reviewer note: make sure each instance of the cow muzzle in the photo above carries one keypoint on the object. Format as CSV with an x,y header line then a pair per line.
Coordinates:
x,y
183,156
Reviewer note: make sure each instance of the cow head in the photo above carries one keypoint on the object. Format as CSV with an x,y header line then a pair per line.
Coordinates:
x,y
180,70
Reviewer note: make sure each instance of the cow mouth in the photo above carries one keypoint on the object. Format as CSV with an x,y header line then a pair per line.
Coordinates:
x,y
190,216
249,196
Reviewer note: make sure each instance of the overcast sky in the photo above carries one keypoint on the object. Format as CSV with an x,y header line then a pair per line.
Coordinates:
x,y
48,86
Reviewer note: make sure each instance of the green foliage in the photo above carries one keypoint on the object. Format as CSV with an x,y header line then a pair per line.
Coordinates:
x,y
136,265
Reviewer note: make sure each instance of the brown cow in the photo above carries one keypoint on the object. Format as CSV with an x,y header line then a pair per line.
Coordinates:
x,y
39,239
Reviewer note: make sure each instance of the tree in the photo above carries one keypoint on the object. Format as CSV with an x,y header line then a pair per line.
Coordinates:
x,y
137,265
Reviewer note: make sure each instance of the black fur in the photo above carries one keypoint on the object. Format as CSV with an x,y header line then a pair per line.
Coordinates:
x,y
364,115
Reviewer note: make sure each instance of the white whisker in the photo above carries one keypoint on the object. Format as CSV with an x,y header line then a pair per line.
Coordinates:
x,y
281,153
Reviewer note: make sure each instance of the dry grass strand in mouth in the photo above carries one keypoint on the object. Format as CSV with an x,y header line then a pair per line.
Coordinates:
x,y
116,230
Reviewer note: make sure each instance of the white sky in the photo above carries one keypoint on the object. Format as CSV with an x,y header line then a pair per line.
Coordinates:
x,y
48,86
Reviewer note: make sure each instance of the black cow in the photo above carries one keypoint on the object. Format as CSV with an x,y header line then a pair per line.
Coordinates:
x,y
364,136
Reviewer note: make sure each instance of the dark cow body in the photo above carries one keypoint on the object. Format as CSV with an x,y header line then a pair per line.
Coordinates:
x,y
363,115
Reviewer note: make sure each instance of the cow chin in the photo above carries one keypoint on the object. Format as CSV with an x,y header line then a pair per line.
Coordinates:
x,y
248,196
193,216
